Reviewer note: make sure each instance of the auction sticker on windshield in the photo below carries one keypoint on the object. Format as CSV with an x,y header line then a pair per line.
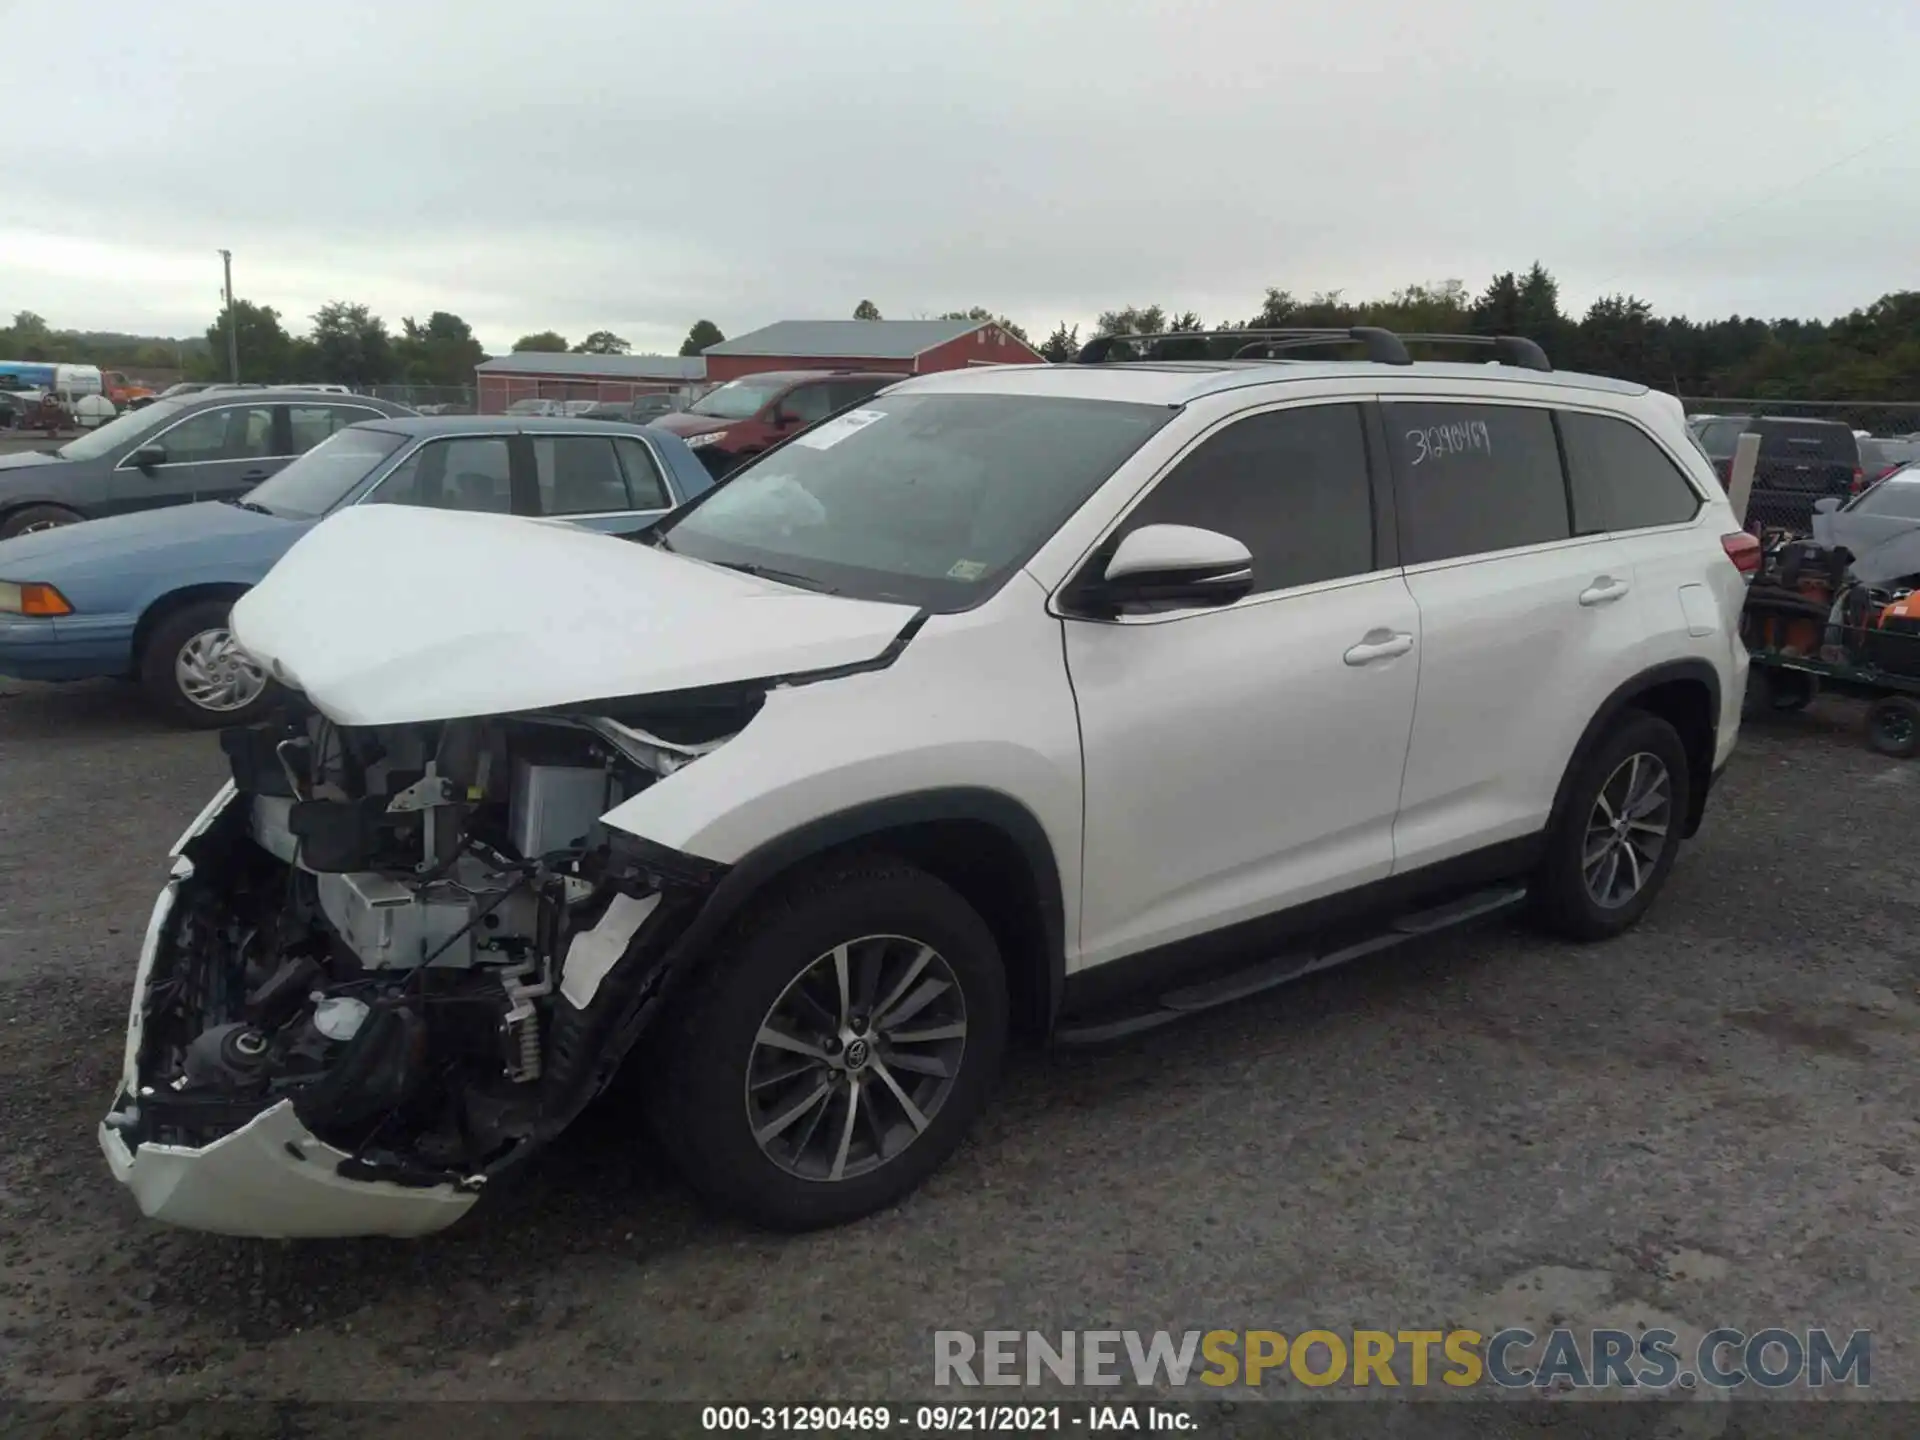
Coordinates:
x,y
826,436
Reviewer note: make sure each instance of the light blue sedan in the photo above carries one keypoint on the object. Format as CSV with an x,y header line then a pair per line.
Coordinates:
x,y
146,596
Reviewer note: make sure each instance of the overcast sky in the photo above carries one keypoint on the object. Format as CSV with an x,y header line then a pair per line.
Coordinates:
x,y
637,164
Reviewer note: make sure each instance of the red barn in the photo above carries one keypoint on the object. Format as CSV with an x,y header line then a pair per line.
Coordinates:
x,y
541,375
910,347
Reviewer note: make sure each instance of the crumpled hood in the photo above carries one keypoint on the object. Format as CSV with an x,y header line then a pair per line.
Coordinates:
x,y
389,615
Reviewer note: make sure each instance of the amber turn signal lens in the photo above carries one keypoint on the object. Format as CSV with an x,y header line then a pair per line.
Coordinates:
x,y
38,599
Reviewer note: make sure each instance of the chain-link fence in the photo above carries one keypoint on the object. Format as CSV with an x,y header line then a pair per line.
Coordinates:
x,y
429,399
1809,450
562,395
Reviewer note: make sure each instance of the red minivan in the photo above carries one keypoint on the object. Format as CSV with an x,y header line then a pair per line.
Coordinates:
x,y
734,422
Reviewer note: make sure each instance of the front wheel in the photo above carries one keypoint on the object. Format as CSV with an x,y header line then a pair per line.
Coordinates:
x,y
1610,848
835,1051
34,518
198,675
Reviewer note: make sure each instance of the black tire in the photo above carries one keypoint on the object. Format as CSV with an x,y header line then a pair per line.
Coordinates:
x,y
158,676
1758,698
1563,894
37,517
1893,727
699,1100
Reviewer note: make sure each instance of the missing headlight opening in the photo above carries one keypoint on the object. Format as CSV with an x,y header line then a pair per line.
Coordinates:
x,y
419,937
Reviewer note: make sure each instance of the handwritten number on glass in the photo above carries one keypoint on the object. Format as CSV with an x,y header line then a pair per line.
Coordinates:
x,y
1459,437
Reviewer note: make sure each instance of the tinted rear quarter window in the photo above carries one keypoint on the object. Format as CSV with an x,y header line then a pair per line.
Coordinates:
x,y
1620,479
1471,479
1290,485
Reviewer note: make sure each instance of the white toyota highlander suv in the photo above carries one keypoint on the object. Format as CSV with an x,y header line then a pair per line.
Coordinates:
x,y
1069,698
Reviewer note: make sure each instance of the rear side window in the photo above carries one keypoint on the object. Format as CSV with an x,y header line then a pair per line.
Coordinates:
x,y
1471,479
1290,485
842,393
1620,479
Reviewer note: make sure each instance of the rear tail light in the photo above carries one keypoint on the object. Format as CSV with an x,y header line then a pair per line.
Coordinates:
x,y
1743,549
1859,480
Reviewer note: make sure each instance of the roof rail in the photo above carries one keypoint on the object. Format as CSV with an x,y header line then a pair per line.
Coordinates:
x,y
1383,347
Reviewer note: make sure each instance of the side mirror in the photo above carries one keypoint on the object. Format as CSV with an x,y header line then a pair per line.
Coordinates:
x,y
1173,565
782,419
1826,505
148,456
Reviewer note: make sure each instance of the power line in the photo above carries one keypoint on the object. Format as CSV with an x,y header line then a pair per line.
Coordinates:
x,y
1773,195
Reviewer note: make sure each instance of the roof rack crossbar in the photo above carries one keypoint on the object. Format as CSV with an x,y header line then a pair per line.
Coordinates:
x,y
1515,350
1382,346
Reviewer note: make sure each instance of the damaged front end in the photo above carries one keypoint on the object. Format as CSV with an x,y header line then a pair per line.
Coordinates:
x,y
393,961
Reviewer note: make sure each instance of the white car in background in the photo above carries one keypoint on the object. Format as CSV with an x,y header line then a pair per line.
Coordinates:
x,y
1075,697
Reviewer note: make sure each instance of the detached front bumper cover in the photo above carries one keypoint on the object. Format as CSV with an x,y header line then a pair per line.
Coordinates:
x,y
273,1180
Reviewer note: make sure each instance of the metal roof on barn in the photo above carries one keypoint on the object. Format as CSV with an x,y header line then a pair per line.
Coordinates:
x,y
848,339
597,367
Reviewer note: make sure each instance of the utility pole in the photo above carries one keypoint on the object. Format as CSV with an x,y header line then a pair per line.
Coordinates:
x,y
233,333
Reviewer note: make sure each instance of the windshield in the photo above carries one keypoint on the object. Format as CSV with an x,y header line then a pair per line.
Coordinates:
x,y
326,474
928,499
736,400
105,439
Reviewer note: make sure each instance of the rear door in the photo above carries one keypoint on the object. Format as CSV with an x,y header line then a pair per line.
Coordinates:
x,y
1525,627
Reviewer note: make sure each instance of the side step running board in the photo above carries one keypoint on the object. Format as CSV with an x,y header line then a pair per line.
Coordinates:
x,y
1267,974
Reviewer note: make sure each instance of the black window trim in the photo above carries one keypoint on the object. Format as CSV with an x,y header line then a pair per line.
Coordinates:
x,y
1379,473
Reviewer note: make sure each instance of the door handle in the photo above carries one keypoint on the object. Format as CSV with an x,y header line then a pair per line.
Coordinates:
x,y
1604,590
254,475
1379,645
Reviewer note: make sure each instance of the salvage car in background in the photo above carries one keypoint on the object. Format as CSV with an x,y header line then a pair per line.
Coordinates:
x,y
213,445
732,423
1084,696
147,595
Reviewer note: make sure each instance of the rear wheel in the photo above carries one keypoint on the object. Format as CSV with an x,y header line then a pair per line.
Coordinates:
x,y
836,1050
1893,726
197,674
1610,849
34,518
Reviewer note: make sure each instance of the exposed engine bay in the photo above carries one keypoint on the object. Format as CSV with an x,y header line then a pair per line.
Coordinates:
x,y
420,937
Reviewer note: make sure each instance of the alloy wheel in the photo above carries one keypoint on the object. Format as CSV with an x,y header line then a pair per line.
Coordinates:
x,y
38,525
856,1057
1628,830
214,673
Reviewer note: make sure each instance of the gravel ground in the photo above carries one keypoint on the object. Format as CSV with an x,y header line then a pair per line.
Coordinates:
x,y
1713,1121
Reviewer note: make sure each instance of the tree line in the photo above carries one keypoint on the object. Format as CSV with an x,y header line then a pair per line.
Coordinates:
x,y
1870,355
